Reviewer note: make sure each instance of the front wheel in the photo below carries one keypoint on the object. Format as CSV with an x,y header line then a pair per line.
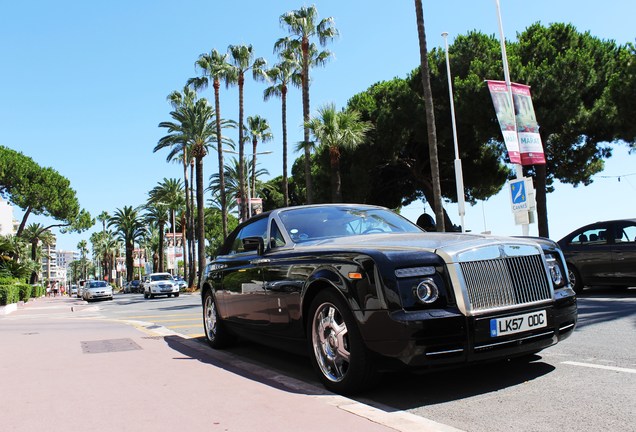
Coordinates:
x,y
337,350
575,279
215,332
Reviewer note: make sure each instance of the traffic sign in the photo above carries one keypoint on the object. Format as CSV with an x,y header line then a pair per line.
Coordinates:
x,y
519,196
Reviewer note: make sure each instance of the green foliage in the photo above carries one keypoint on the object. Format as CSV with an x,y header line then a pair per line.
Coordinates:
x,y
9,294
213,230
26,292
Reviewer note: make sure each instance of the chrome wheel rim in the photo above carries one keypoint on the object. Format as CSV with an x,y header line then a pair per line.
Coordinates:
x,y
572,277
210,318
330,340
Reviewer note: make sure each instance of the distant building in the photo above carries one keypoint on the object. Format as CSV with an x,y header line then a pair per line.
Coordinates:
x,y
49,261
7,223
65,258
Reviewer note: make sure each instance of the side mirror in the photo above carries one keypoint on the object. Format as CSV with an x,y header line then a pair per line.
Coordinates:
x,y
254,244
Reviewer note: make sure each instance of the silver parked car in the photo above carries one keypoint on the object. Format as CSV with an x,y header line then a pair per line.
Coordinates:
x,y
97,290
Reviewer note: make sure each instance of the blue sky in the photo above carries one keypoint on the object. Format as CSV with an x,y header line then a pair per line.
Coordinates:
x,y
84,86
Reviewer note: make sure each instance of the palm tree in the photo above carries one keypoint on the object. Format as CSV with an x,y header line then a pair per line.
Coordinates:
x,y
103,218
168,194
335,131
180,151
215,66
430,118
195,125
282,74
232,183
303,25
83,250
241,61
257,130
34,234
157,216
129,227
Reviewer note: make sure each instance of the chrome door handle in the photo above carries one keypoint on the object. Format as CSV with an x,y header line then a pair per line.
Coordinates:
x,y
260,261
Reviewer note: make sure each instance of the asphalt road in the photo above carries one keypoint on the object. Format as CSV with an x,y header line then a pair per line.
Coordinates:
x,y
586,383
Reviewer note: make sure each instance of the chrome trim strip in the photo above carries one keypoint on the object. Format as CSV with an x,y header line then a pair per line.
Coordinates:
x,y
479,347
567,327
445,352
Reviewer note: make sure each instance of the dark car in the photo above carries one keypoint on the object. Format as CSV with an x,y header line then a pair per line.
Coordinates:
x,y
601,254
362,290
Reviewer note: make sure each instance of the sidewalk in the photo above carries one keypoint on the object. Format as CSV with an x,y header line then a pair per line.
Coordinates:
x,y
60,371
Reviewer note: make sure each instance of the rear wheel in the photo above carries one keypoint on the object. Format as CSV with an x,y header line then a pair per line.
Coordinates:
x,y
176,294
337,350
216,333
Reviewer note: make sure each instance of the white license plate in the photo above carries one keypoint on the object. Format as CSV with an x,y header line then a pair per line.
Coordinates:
x,y
518,323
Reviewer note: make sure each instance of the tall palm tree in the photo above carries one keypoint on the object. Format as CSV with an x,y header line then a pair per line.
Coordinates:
x,y
103,218
335,131
430,118
257,130
180,151
214,66
242,61
169,194
303,25
281,75
157,216
195,125
83,250
129,227
232,183
34,234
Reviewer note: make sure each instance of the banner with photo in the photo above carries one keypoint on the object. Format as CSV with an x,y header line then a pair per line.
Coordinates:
x,y
527,127
506,117
524,145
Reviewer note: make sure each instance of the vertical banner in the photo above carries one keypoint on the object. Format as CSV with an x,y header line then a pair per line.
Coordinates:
x,y
527,128
506,117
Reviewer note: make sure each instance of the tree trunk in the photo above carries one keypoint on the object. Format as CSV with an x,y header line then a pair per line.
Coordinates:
x,y
219,148
284,110
185,224
334,162
200,220
161,250
243,207
253,193
430,117
23,223
192,234
305,91
542,205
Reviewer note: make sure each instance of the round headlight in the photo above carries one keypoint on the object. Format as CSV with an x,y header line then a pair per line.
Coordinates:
x,y
426,291
555,271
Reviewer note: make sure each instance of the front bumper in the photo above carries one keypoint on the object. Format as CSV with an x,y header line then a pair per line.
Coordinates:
x,y
445,337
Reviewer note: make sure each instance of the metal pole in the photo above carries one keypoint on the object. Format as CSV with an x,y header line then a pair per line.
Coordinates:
x,y
504,58
459,178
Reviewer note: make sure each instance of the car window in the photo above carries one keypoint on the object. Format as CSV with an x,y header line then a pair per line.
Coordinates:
x,y
323,222
276,236
98,284
258,228
591,236
625,233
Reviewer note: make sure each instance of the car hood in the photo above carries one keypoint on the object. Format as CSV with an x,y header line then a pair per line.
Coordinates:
x,y
452,247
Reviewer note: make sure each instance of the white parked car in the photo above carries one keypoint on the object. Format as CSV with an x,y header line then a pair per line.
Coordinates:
x,y
97,290
160,284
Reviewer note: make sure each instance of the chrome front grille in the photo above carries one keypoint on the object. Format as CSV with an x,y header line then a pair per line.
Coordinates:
x,y
504,282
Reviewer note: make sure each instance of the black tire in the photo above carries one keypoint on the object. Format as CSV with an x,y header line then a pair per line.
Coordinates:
x,y
575,279
337,351
176,294
169,295
145,295
216,333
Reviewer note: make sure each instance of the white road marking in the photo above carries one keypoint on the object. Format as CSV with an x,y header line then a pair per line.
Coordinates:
x,y
612,368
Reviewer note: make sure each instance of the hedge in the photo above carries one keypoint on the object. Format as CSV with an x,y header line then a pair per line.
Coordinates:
x,y
9,294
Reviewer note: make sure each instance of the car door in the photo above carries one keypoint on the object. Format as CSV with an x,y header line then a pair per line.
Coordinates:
x,y
283,280
241,298
590,252
624,253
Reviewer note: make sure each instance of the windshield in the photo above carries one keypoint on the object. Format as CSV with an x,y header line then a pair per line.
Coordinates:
x,y
98,284
313,223
165,277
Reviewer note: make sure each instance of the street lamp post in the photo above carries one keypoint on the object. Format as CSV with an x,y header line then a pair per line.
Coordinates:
x,y
459,178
